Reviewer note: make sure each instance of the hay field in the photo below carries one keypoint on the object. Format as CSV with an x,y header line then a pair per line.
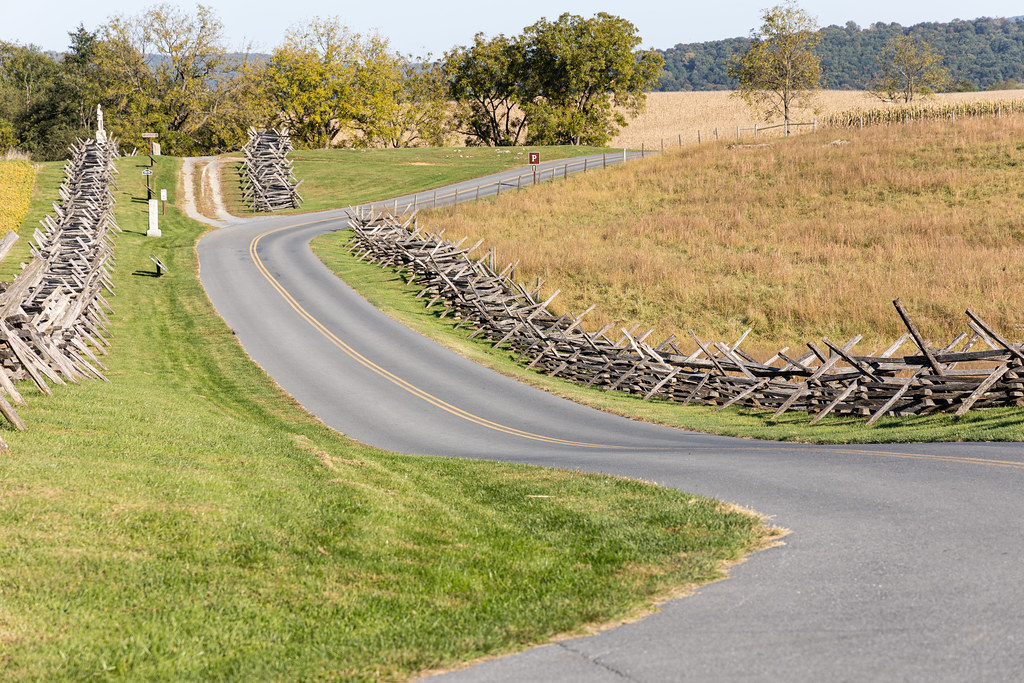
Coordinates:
x,y
670,115
16,179
798,239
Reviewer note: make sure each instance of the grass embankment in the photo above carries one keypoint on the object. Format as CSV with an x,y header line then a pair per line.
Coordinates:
x,y
189,521
336,178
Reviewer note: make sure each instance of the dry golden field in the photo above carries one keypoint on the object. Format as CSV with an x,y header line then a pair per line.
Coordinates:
x,y
799,239
16,179
670,116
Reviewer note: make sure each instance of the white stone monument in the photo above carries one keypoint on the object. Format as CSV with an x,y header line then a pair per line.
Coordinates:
x,y
101,135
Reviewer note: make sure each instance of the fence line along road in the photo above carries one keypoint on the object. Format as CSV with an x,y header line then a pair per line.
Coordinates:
x,y
52,317
507,181
952,378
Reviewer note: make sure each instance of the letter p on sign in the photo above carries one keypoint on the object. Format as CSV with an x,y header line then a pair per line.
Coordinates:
x,y
534,158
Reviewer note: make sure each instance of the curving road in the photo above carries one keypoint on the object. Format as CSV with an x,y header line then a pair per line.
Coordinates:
x,y
905,562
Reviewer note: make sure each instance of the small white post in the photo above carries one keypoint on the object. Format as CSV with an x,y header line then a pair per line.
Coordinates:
x,y
154,219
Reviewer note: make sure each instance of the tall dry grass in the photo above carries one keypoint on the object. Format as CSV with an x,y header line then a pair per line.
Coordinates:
x,y
671,117
799,239
16,180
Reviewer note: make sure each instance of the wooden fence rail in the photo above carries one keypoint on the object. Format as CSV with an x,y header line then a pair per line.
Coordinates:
x,y
827,378
267,180
53,316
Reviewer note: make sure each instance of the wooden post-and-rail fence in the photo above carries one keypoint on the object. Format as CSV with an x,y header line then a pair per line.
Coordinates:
x,y
977,369
267,180
53,316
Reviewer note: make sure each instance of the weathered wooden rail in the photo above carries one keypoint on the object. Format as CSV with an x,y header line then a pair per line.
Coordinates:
x,y
978,369
267,180
53,316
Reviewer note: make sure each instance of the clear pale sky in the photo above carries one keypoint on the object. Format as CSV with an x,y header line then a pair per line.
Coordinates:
x,y
420,27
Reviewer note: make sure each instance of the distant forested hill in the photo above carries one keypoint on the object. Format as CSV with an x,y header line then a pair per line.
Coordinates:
x,y
979,53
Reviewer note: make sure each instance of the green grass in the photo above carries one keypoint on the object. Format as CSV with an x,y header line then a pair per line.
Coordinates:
x,y
336,178
189,521
391,294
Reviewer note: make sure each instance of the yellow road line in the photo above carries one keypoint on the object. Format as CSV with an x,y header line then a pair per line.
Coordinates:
x,y
459,412
366,362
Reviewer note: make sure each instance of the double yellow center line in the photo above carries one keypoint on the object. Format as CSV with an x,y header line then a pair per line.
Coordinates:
x,y
476,419
394,379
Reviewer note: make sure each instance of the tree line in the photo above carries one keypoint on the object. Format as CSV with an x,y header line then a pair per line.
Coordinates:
x,y
573,80
979,54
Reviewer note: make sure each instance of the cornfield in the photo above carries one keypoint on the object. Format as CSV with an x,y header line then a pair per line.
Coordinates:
x,y
16,178
674,118
927,111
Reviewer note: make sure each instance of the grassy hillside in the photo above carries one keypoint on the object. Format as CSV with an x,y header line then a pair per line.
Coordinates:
x,y
391,294
336,178
800,239
188,521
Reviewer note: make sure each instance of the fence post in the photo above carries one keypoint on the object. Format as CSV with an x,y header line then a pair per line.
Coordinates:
x,y
585,160
478,192
565,172
623,155
698,138
755,131
862,123
604,160
435,199
663,145
499,189
681,139
815,129
737,132
519,181
716,133
456,195
641,150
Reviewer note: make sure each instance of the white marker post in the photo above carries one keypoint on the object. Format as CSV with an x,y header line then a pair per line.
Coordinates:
x,y
154,219
163,202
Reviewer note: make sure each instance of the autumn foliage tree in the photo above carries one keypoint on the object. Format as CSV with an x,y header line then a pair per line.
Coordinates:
x,y
908,67
331,86
779,69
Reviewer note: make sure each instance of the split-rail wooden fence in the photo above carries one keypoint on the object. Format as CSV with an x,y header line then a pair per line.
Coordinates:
x,y
268,182
53,316
977,369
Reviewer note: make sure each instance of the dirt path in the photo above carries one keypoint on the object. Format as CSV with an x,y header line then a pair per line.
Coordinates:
x,y
209,207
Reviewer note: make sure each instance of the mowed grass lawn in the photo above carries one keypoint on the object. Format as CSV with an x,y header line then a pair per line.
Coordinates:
x,y
189,521
336,178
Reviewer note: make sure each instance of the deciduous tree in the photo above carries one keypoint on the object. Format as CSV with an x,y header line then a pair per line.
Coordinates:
x,y
779,69
489,80
311,80
587,77
908,67
401,101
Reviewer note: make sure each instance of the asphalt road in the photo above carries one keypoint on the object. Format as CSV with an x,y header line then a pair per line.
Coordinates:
x,y
904,563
